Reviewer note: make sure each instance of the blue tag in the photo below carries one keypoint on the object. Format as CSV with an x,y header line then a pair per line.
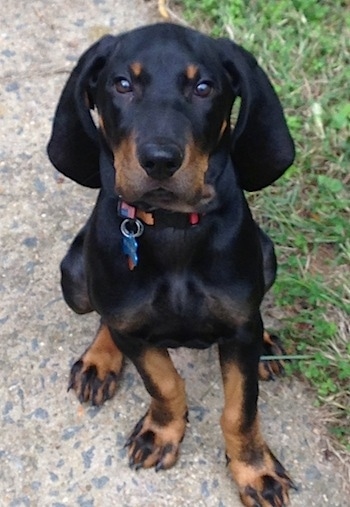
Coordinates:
x,y
130,249
131,229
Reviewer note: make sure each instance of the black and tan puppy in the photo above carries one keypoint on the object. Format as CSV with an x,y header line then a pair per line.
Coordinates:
x,y
171,256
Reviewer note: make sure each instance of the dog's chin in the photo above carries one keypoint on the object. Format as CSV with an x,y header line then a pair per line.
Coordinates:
x,y
165,199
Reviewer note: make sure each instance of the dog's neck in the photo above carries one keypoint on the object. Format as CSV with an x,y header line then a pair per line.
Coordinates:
x,y
135,219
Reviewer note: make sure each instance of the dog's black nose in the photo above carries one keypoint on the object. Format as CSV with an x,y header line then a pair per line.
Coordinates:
x,y
160,161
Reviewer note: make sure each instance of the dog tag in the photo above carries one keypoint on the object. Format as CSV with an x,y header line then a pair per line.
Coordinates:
x,y
131,229
130,250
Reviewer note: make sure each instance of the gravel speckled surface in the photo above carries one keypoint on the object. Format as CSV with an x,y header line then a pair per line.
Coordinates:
x,y
53,453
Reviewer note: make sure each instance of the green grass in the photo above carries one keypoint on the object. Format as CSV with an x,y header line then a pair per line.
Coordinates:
x,y
304,46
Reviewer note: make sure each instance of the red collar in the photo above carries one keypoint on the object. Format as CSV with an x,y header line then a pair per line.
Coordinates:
x,y
159,217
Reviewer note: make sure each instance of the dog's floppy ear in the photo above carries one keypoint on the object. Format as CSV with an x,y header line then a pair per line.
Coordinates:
x,y
73,147
262,148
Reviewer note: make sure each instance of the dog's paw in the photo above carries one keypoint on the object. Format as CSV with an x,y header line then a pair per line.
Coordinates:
x,y
153,445
269,369
263,485
94,377
90,385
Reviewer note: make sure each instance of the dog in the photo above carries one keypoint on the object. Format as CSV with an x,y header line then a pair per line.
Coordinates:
x,y
171,256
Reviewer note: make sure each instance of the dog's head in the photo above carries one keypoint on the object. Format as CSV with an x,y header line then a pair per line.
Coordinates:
x,y
163,95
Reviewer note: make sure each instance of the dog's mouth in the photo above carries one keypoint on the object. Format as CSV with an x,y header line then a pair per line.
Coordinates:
x,y
162,198
160,195
158,198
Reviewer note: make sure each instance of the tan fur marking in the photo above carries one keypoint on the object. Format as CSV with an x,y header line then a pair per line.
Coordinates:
x,y
136,68
232,415
250,459
94,377
130,177
264,372
101,124
223,128
268,369
166,417
147,218
103,353
267,338
187,183
191,71
171,387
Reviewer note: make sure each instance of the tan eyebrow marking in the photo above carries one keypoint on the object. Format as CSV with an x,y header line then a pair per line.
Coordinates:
x,y
191,71
136,68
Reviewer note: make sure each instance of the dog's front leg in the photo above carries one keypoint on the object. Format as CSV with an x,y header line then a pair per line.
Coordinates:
x,y
156,438
261,479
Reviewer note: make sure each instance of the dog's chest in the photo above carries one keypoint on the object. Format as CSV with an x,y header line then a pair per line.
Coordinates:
x,y
178,295
182,310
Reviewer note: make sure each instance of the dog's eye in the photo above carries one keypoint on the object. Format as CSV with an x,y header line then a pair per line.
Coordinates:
x,y
203,89
123,85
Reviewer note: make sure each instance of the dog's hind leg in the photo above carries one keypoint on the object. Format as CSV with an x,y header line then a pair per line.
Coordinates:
x,y
73,277
269,259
